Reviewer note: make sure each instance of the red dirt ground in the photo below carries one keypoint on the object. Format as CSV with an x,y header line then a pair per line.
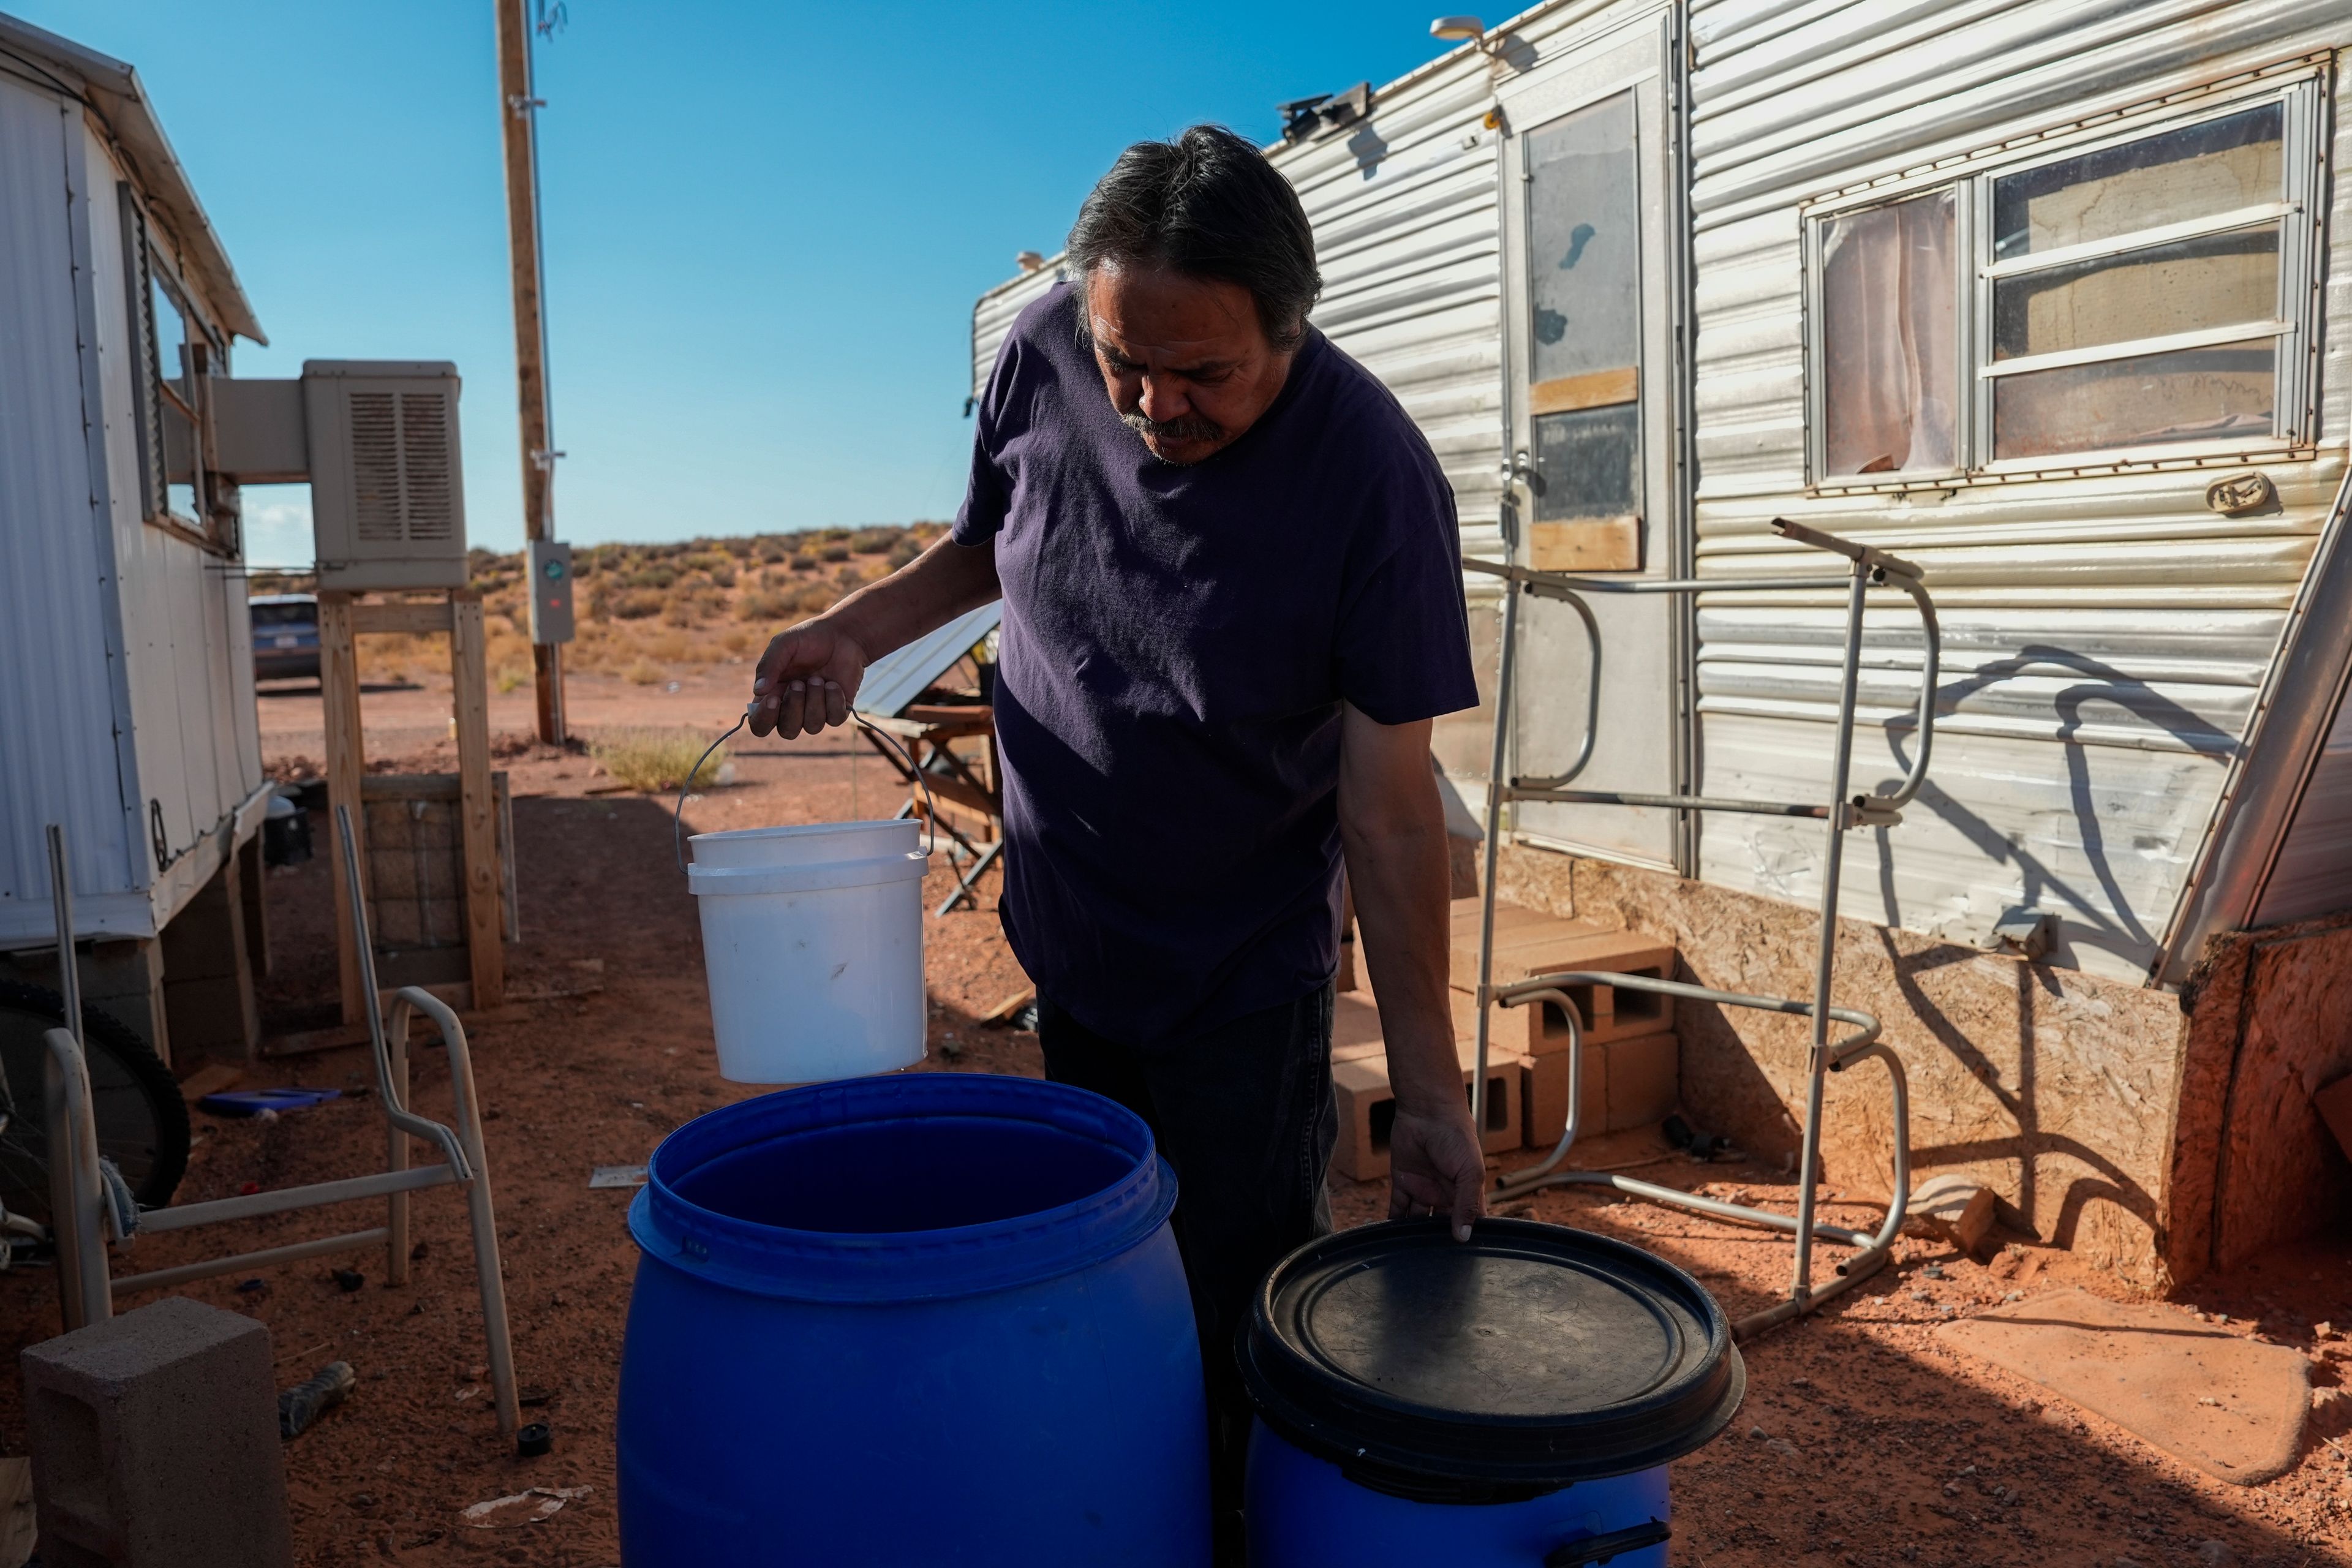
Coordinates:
x,y
1863,1442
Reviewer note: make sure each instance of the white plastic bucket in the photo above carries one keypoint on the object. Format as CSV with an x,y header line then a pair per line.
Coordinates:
x,y
812,940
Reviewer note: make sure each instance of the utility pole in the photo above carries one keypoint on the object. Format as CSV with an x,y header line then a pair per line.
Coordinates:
x,y
518,120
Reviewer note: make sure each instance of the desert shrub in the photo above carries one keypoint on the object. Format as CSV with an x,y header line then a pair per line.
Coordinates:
x,y
512,676
637,605
735,639
659,577
873,540
723,573
850,575
773,549
762,604
692,606
804,562
905,551
704,561
657,761
834,552
668,646
643,672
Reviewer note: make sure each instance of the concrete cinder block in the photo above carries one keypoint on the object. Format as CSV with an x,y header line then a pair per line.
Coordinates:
x,y
208,972
1355,1027
206,939
1603,1012
1645,1077
1543,1094
1362,1088
1465,913
1530,951
123,980
154,1440
1367,1111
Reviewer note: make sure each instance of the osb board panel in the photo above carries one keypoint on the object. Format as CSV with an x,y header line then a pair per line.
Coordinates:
x,y
2278,1173
2054,1088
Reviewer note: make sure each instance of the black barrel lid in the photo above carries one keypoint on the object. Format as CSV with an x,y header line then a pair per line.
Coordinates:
x,y
1530,1357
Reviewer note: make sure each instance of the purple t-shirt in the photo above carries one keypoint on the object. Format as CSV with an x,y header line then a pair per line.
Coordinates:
x,y
1176,644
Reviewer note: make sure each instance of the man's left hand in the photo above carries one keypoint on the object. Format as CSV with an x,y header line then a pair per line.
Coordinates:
x,y
1435,1166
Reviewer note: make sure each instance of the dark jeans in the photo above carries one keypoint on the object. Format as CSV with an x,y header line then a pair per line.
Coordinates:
x,y
1244,1113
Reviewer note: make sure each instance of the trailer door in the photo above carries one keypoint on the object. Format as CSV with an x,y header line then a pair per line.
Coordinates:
x,y
1590,294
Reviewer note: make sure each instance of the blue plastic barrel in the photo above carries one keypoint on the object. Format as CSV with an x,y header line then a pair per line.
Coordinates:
x,y
936,1318
1511,1402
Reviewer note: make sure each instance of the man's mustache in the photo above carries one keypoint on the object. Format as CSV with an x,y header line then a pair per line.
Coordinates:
x,y
1184,428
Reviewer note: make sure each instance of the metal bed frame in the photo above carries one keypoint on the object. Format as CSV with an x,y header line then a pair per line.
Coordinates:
x,y
1867,568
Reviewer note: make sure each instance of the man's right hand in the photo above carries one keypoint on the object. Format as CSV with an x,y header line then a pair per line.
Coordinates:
x,y
806,681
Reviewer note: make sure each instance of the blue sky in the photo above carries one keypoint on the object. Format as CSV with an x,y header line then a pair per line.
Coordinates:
x,y
765,224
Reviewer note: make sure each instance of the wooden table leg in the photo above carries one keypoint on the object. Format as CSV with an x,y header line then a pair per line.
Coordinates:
x,y
476,806
338,684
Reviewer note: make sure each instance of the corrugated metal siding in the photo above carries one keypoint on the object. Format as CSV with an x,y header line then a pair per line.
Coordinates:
x,y
57,749
1405,237
2105,635
2313,873
993,313
185,623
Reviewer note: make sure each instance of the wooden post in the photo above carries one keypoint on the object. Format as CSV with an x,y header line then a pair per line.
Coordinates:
x,y
518,110
338,683
478,807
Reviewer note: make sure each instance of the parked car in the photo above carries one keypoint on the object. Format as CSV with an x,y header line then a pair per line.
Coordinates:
x,y
286,637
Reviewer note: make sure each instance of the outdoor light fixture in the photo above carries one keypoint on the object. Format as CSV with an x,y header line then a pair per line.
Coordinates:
x,y
1469,30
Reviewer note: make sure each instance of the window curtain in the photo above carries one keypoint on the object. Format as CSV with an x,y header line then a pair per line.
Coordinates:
x,y
1890,338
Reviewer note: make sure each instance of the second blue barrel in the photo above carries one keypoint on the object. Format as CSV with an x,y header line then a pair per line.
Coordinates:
x,y
1510,1402
935,1319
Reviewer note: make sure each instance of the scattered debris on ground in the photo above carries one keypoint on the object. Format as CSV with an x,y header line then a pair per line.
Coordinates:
x,y
1868,1436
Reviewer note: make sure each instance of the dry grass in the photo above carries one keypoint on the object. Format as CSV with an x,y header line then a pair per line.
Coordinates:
x,y
650,613
656,760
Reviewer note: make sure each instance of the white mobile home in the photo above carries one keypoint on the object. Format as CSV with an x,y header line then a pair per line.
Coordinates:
x,y
127,709
2047,298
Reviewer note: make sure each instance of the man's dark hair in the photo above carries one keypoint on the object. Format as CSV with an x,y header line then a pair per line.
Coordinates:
x,y
1206,204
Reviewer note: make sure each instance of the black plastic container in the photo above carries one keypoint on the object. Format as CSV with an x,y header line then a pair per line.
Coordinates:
x,y
1526,1388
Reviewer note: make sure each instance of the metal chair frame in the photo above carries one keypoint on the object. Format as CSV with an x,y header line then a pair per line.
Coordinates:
x,y
84,1283
1867,568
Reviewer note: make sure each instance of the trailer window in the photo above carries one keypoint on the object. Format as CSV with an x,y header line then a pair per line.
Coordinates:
x,y
175,382
1584,330
170,354
2145,277
2141,297
1890,297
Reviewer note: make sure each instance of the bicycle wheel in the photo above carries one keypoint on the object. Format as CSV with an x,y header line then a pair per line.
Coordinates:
x,y
143,1123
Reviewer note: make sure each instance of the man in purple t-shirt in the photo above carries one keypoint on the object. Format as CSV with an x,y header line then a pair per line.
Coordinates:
x,y
1232,607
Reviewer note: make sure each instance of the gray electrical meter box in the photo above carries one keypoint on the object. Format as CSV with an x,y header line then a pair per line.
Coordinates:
x,y
550,590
